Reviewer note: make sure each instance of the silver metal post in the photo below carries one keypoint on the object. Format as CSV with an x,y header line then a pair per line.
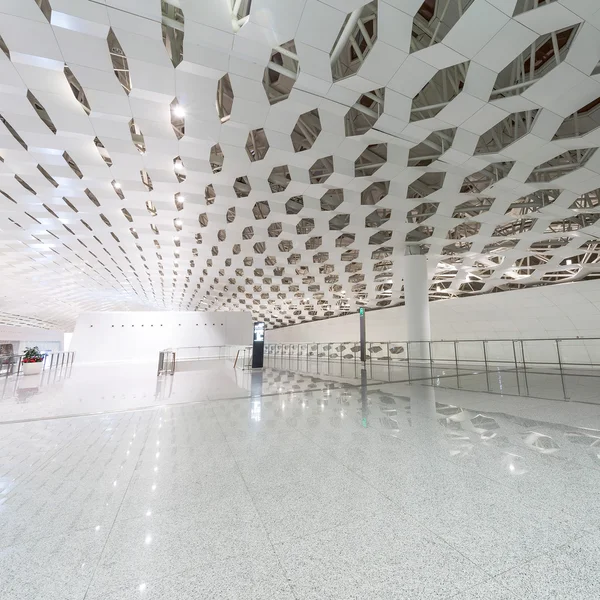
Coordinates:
x,y
516,367
456,357
487,374
430,360
389,365
562,379
524,368
456,363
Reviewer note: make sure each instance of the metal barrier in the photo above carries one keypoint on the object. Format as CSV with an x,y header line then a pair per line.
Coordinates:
x,y
166,362
556,353
225,352
170,357
243,359
12,364
58,359
519,354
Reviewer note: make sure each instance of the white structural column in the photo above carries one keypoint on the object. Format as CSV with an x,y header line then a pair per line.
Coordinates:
x,y
416,297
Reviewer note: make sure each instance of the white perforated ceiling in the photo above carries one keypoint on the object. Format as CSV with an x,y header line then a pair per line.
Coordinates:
x,y
279,155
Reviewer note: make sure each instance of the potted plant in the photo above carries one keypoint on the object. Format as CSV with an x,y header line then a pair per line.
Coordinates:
x,y
32,361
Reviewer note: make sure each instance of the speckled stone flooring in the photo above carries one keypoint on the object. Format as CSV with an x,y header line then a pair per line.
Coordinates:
x,y
300,487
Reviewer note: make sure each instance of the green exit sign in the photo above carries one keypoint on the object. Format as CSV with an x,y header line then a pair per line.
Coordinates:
x,y
361,312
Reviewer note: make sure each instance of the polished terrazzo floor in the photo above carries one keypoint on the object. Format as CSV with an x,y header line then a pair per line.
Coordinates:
x,y
94,389
299,487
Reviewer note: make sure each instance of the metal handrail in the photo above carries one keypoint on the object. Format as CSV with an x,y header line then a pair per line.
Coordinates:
x,y
166,362
581,352
169,357
52,360
579,338
229,348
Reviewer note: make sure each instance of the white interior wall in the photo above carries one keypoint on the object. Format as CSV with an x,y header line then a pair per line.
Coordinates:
x,y
67,341
557,311
139,336
23,337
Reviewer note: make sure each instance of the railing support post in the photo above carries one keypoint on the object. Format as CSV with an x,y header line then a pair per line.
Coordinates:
x,y
562,379
430,359
456,358
389,364
524,367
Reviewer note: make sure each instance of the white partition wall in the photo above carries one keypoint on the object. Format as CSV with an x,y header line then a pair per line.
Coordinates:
x,y
558,311
139,336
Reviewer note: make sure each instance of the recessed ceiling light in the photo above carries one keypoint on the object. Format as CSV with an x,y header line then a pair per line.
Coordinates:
x,y
117,185
179,111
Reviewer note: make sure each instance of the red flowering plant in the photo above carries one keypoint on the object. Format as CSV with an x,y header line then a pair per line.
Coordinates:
x,y
32,355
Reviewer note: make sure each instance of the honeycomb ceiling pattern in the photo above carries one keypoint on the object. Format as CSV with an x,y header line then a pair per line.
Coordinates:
x,y
280,156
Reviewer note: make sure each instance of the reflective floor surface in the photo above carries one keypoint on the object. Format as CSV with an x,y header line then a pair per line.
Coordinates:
x,y
579,385
92,389
552,384
334,491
